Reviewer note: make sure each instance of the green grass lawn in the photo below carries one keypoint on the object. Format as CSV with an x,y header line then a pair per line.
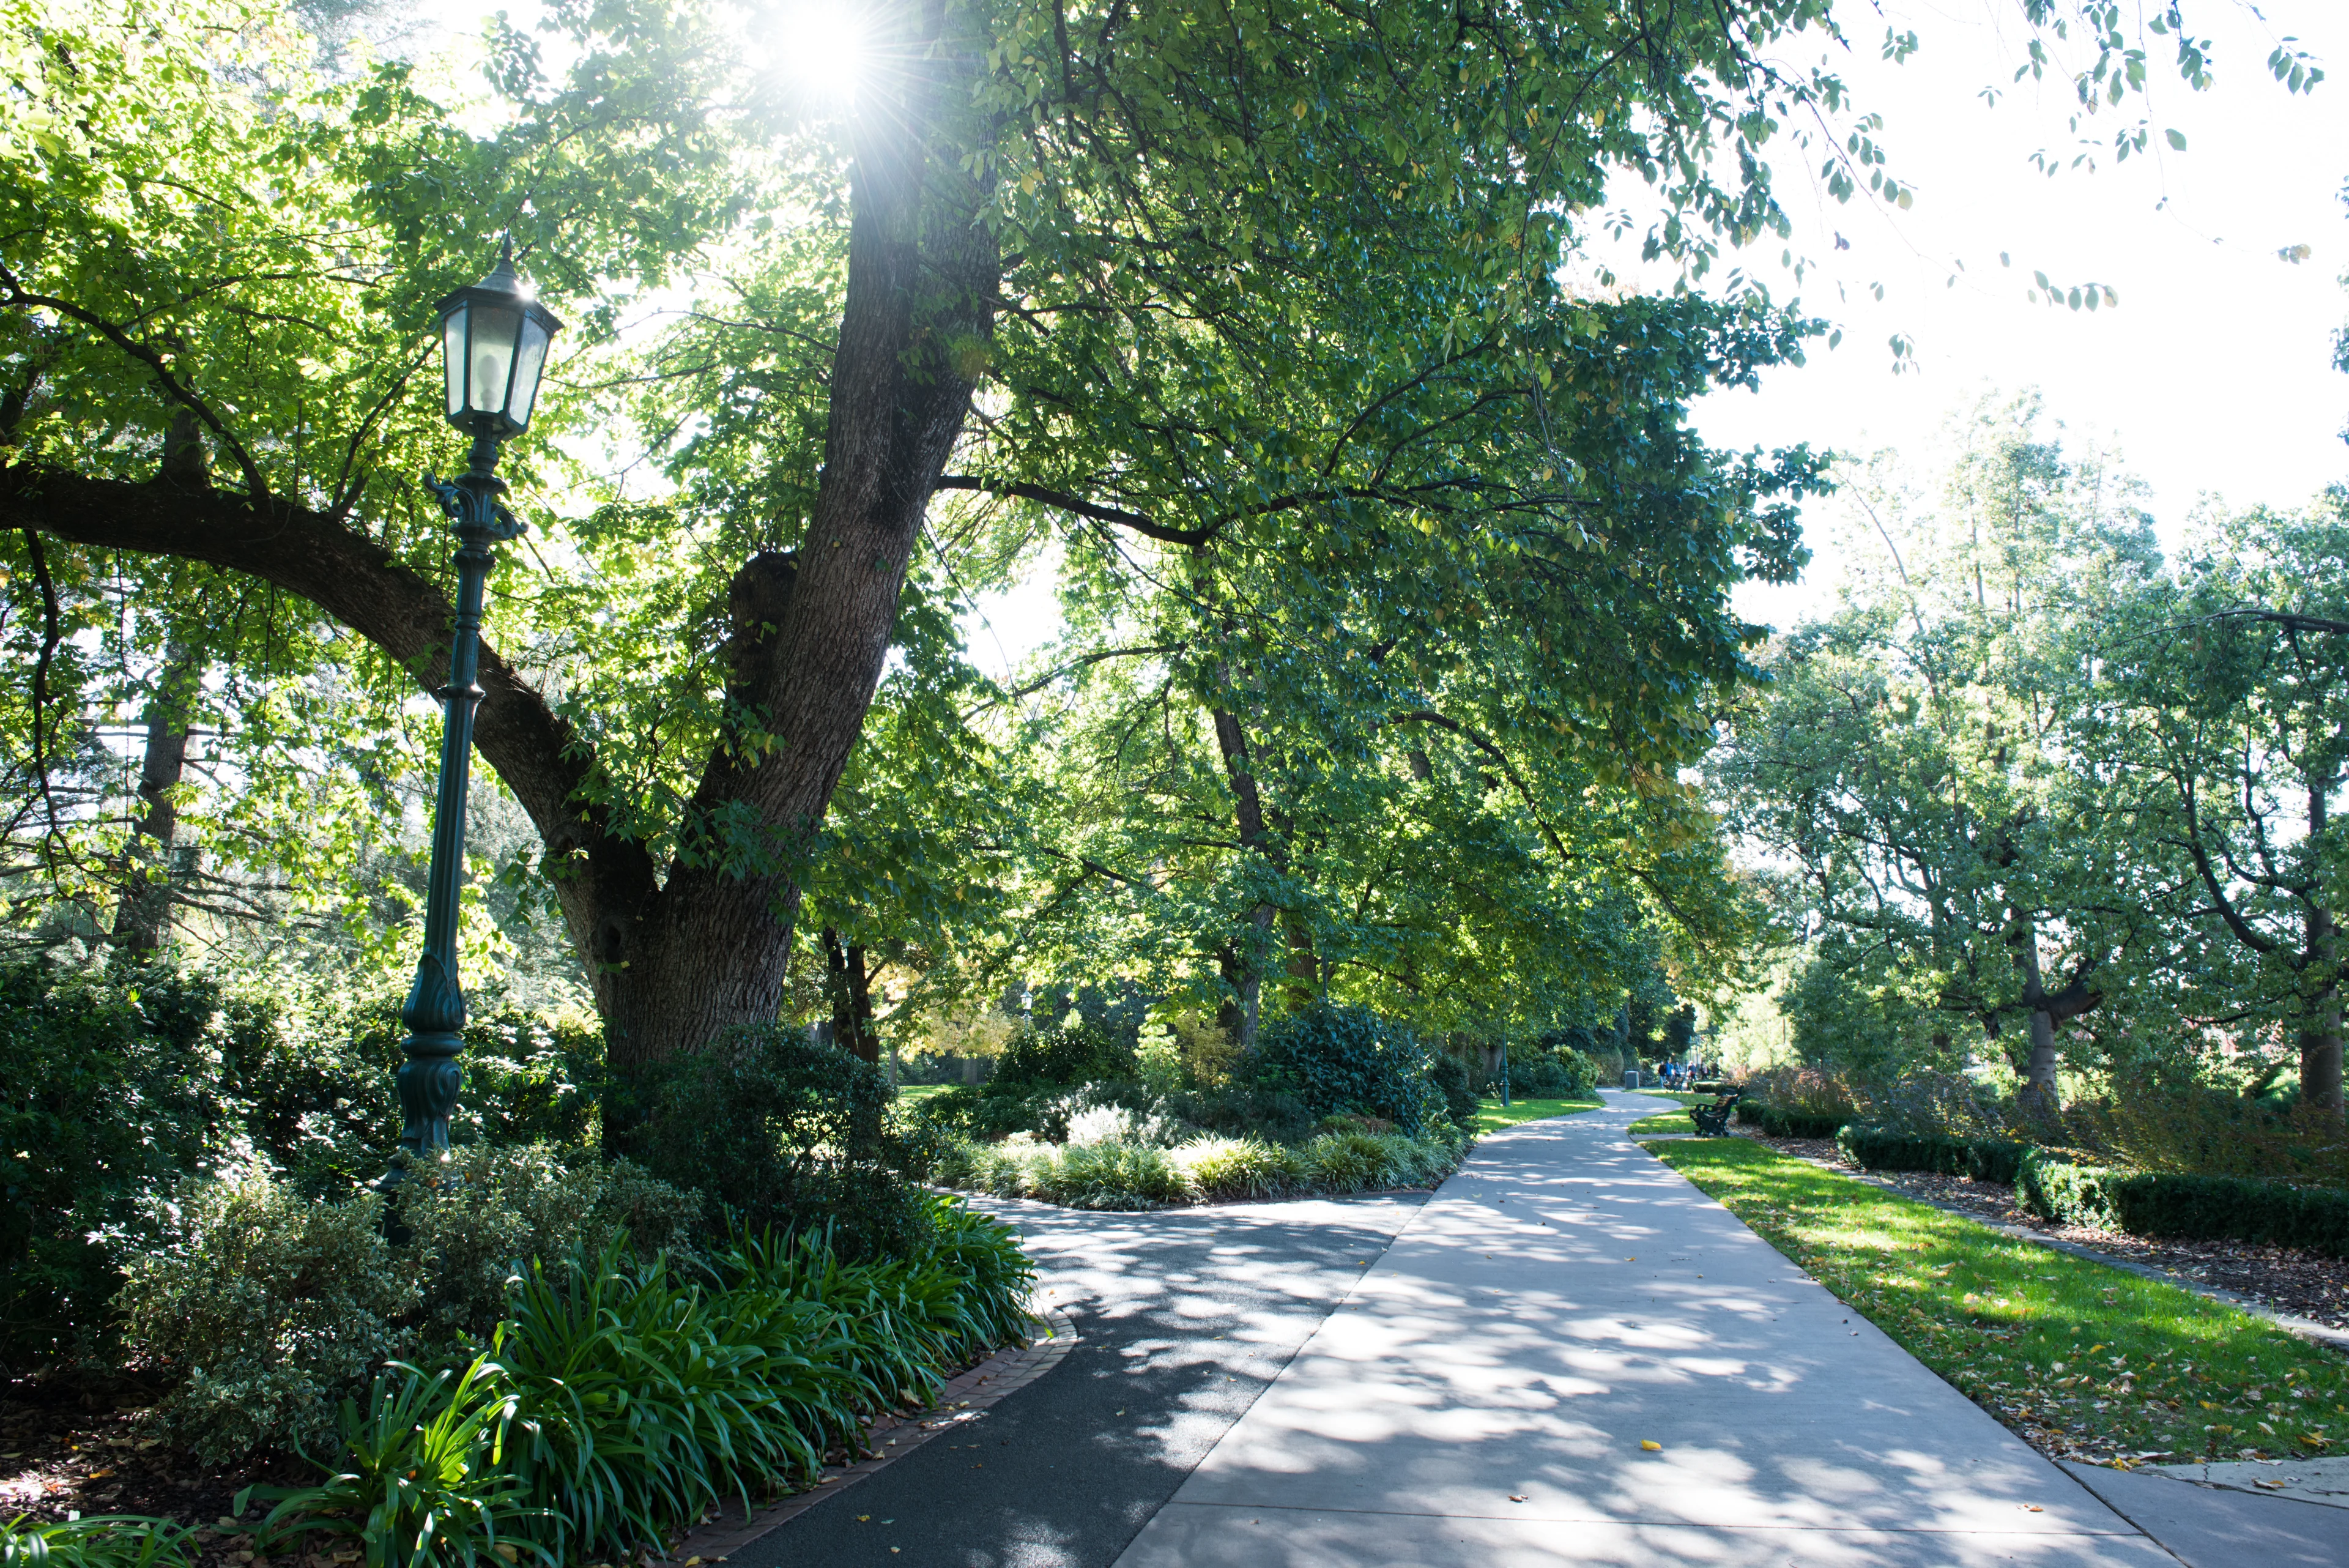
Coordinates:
x,y
915,1093
1669,1121
2086,1361
1492,1116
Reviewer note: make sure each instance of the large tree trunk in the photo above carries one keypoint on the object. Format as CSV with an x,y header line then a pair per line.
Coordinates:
x,y
2320,1040
1244,968
142,922
2023,945
922,276
849,989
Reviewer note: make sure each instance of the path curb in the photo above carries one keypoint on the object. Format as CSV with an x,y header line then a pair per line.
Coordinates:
x,y
963,1398
2322,1334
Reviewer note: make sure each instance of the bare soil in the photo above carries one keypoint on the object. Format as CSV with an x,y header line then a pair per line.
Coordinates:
x,y
2287,1279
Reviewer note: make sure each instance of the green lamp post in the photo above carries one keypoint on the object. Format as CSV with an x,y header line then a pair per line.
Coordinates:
x,y
494,339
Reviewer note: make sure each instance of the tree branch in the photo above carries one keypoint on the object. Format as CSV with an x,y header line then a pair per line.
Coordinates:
x,y
362,585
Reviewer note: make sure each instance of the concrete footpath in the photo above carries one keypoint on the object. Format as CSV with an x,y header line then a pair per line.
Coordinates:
x,y
1571,1356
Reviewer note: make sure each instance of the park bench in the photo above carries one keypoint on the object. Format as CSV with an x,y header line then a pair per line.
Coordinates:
x,y
1712,1120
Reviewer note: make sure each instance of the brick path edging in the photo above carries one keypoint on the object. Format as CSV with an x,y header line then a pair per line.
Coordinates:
x,y
963,1396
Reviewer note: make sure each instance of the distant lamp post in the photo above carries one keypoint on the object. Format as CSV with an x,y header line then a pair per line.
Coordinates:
x,y
494,339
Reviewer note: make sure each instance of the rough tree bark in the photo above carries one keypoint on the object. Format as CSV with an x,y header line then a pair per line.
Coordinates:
x,y
2320,1040
143,920
677,958
1243,968
2317,984
848,987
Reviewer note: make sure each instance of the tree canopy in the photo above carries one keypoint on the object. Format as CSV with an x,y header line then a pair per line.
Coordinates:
x,y
1396,584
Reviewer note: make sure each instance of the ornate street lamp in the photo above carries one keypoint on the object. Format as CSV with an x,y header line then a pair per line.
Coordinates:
x,y
494,338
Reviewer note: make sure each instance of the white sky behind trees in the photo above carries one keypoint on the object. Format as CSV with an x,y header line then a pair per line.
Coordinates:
x,y
2213,376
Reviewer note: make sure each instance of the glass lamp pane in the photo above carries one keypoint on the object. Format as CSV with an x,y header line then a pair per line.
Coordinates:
x,y
493,351
453,356
527,366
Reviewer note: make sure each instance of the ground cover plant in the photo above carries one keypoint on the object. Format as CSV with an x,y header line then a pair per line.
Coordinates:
x,y
1338,1099
2083,1360
620,1396
1206,1169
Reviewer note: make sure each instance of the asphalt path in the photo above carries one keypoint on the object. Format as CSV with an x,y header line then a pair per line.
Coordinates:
x,y
1183,1317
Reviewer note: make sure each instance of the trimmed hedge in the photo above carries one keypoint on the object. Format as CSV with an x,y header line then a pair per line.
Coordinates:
x,y
2164,1203
1884,1149
1776,1123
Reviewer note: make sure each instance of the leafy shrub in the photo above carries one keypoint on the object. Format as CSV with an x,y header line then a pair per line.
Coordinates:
x,y
530,1077
782,1132
1797,1102
479,1219
269,1306
953,1110
1454,1081
1246,1110
110,1097
1537,1074
2198,1130
1350,1059
1583,1072
1815,1093
1063,1057
1158,1063
2168,1203
121,1084
1222,1168
1890,1148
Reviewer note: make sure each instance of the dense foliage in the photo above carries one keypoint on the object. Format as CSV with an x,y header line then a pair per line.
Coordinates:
x,y
619,1400
2050,803
121,1084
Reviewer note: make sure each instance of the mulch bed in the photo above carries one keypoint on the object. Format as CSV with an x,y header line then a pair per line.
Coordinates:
x,y
71,1444
2287,1280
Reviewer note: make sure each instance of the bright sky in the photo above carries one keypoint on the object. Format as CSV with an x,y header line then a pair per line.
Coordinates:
x,y
2213,374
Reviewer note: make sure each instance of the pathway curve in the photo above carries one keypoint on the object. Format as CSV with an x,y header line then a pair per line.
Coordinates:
x,y
1485,1395
1185,1318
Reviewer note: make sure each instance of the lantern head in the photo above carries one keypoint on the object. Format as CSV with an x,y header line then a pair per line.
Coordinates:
x,y
494,338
